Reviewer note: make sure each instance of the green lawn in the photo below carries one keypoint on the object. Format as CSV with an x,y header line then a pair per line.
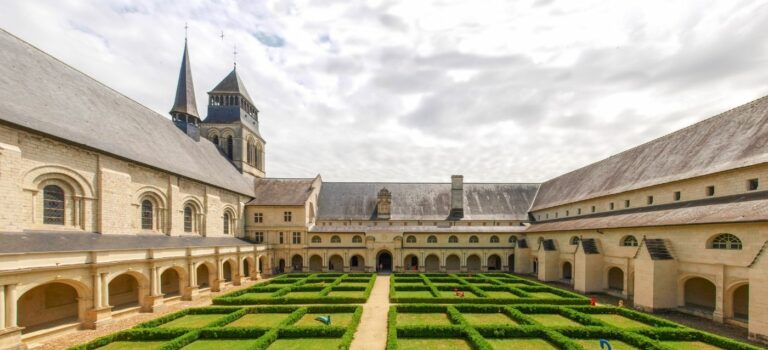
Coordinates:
x,y
422,319
229,344
500,294
452,294
339,319
620,321
520,344
132,345
315,294
192,321
353,284
690,345
259,320
433,344
415,283
590,344
414,294
480,319
451,284
256,295
553,320
305,344
348,294
544,295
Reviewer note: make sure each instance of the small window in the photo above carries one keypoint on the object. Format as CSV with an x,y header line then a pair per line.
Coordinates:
x,y
147,215
578,211
258,237
53,205
710,191
726,241
494,239
227,219
650,200
574,240
752,184
188,213
453,239
431,239
567,213
258,217
610,206
556,214
335,239
287,216
626,203
296,238
678,195
281,238
357,239
410,239
513,241
629,241
593,208
473,239
316,239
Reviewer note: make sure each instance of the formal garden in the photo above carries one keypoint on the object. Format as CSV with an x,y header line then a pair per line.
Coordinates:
x,y
429,311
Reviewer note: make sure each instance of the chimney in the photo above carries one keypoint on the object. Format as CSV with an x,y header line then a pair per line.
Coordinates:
x,y
457,197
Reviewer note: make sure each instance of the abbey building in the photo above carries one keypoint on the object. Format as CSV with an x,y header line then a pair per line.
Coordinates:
x,y
109,209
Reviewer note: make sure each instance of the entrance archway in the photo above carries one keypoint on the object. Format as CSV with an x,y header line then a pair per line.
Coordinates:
x,y
226,272
169,282
473,263
384,261
511,262
357,263
47,306
336,263
247,267
700,293
203,275
411,263
315,263
494,263
123,292
297,263
568,271
453,263
616,279
432,263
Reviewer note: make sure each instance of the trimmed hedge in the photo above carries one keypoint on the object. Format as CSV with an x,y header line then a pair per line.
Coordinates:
x,y
280,295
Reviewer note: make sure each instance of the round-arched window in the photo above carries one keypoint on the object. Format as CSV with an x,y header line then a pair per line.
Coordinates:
x,y
316,239
335,239
574,240
431,239
53,205
410,239
453,239
188,213
473,239
494,239
629,241
726,241
227,220
357,239
147,215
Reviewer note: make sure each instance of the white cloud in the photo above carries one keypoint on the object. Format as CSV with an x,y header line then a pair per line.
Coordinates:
x,y
417,90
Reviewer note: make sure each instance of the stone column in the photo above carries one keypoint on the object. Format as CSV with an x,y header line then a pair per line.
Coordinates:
x,y
192,275
10,306
2,307
97,291
104,290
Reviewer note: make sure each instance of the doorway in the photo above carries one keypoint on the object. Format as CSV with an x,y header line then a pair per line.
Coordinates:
x,y
384,262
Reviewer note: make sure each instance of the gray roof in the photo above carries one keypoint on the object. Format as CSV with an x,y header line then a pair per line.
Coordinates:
x,y
425,201
37,242
736,138
42,94
232,84
185,89
382,227
282,191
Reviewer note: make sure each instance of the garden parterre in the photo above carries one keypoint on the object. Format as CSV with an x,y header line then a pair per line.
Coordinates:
x,y
305,288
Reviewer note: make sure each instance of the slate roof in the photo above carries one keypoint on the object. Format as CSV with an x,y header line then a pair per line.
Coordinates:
x,y
232,84
38,242
44,95
185,90
425,201
736,138
417,229
273,191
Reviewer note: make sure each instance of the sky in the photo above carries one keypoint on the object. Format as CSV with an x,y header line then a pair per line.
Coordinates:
x,y
403,90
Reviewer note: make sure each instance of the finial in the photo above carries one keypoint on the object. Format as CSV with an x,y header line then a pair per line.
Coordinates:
x,y
234,53
186,32
222,35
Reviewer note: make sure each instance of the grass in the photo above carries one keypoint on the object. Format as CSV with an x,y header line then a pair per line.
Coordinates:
x,y
620,321
500,294
256,295
422,319
553,320
348,294
690,345
544,295
480,319
415,283
132,345
413,294
433,344
339,319
305,343
353,284
259,320
521,344
229,344
315,294
452,294
595,344
192,321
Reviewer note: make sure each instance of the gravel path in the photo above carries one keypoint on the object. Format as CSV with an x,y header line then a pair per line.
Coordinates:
x,y
371,334
73,338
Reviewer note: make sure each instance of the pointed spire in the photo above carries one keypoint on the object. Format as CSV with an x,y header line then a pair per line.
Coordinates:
x,y
185,91
232,84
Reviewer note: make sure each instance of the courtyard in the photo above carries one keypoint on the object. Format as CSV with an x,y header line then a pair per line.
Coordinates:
x,y
408,311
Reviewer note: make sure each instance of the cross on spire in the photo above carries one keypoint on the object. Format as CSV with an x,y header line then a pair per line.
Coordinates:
x,y
234,54
186,32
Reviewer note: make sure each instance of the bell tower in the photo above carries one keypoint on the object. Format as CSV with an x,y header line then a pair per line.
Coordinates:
x,y
184,110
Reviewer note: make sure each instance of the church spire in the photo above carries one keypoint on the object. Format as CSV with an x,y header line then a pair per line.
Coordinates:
x,y
185,91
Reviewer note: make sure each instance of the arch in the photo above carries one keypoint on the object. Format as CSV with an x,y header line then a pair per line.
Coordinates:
x,y
568,271
315,263
357,239
511,262
725,241
699,293
215,140
227,218
384,261
336,263
574,240
494,239
357,263
474,239
297,263
535,265
50,304
616,279
123,291
230,147
53,205
316,239
629,241
171,281
738,302
262,264
410,239
512,240
453,263
453,239
226,270
203,275
473,263
335,239
432,239
147,215
411,263
36,178
191,213
248,266
494,263
281,266
432,263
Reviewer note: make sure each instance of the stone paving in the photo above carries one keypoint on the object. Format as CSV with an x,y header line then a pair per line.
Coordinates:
x,y
371,334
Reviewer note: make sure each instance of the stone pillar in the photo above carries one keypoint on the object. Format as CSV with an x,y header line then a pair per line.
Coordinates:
x,y
2,307
97,291
104,290
10,333
10,306
154,301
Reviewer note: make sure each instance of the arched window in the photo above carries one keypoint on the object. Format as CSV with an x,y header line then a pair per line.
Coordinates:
x,y
227,219
357,239
53,205
188,214
629,241
574,240
431,239
473,239
147,215
513,240
335,239
249,152
726,241
494,239
453,239
410,239
215,140
316,239
230,148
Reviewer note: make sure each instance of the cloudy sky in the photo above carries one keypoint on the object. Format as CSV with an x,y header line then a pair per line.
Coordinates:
x,y
512,91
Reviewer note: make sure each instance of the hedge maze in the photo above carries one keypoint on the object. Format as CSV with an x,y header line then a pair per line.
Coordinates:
x,y
301,288
502,311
